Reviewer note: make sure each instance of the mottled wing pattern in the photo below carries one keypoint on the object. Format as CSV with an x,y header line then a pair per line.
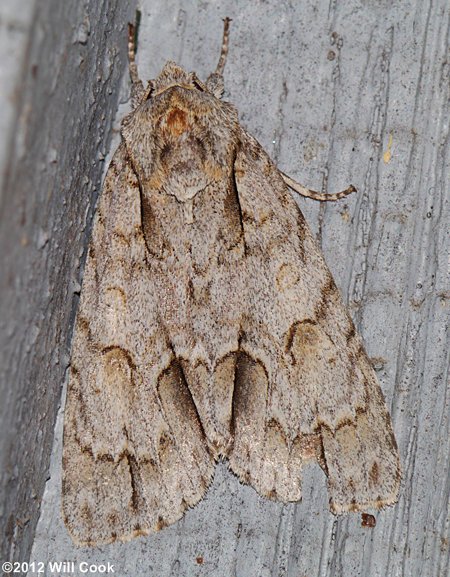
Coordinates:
x,y
135,456
304,387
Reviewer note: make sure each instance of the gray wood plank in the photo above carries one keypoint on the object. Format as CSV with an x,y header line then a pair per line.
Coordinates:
x,y
59,88
337,93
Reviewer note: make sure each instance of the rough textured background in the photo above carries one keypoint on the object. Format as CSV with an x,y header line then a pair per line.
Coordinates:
x,y
60,69
336,92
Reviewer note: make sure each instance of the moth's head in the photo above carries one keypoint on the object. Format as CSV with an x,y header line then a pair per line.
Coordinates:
x,y
173,75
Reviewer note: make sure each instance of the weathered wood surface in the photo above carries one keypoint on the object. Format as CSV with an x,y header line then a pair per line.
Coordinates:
x,y
61,67
337,93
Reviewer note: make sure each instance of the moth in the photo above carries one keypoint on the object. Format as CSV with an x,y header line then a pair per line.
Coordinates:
x,y
209,327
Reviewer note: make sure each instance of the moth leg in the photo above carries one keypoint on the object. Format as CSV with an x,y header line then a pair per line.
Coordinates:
x,y
137,86
215,82
308,193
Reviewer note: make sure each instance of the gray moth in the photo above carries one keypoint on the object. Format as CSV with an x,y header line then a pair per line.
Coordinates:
x,y
209,327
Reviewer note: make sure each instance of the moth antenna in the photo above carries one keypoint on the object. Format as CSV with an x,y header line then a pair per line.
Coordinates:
x,y
321,196
224,50
137,86
215,83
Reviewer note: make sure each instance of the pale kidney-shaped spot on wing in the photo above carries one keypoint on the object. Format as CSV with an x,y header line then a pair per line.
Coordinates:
x,y
116,367
115,298
115,380
286,278
309,345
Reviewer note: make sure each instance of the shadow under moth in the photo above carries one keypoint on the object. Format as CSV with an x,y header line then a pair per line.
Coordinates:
x,y
209,327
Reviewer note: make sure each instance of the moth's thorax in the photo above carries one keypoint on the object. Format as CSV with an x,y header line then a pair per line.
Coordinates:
x,y
182,142
185,161
181,138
